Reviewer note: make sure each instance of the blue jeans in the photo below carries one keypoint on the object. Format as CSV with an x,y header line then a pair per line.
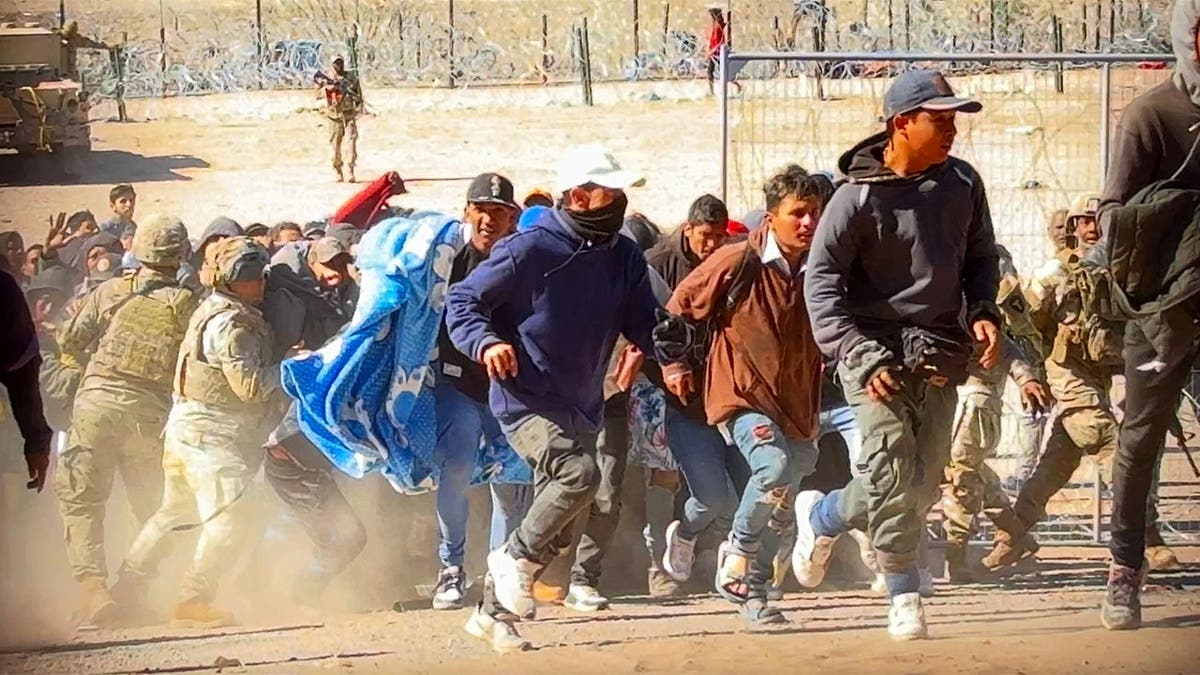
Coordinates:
x,y
842,421
777,464
462,424
700,451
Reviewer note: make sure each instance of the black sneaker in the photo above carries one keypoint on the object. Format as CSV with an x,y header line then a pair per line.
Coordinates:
x,y
759,615
1122,608
451,589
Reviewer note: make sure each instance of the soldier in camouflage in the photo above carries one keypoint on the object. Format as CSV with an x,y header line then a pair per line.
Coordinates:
x,y
227,397
972,486
131,327
1084,353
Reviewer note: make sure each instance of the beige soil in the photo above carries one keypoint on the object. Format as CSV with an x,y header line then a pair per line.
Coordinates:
x,y
1043,623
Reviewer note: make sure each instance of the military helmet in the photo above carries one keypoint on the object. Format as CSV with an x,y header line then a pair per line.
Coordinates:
x,y
1086,205
160,240
238,259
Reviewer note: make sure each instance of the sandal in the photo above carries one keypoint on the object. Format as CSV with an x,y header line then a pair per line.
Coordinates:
x,y
732,569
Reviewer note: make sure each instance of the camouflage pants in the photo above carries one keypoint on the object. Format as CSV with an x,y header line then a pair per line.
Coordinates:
x,y
972,486
344,129
84,480
1075,432
209,485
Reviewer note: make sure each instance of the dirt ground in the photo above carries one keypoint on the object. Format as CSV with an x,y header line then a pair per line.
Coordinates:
x,y
1044,622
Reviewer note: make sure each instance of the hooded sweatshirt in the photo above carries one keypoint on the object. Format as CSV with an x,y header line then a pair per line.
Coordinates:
x,y
561,303
1152,139
893,252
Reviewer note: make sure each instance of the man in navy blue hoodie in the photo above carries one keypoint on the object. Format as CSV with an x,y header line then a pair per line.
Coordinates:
x,y
543,314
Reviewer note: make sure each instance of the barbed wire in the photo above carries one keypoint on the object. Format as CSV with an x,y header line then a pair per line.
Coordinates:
x,y
195,48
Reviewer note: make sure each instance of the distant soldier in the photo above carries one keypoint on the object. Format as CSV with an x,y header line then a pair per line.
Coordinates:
x,y
131,326
343,103
226,392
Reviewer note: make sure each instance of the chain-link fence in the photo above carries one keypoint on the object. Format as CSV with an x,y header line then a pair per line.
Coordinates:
x,y
1040,142
175,47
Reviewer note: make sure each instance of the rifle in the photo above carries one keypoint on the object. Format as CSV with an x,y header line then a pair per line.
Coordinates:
x,y
1175,428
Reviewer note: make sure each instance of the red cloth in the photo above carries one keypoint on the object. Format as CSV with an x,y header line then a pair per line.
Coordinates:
x,y
360,209
736,227
716,38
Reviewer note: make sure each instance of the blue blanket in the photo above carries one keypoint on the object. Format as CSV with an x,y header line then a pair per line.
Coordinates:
x,y
366,398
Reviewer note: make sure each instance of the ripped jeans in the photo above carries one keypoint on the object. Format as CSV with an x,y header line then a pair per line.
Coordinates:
x,y
777,464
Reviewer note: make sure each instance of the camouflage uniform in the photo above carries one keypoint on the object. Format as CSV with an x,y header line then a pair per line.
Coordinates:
x,y
227,394
1084,421
342,111
973,486
132,327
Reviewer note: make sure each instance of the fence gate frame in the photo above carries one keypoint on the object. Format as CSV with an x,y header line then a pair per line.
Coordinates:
x,y
1106,61
728,62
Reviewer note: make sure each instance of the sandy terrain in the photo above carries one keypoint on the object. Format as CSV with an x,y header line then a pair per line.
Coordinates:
x,y
1042,623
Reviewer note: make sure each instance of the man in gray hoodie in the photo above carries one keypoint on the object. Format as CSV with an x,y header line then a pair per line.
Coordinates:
x,y
1152,143
903,243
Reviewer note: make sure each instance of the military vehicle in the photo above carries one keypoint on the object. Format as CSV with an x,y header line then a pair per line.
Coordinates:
x,y
43,107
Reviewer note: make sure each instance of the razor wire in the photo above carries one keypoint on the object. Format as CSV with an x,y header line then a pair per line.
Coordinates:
x,y
198,48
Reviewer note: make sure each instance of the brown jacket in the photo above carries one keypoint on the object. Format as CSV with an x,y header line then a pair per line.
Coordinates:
x,y
764,357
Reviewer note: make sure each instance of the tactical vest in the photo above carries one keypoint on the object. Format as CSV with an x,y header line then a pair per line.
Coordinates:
x,y
1086,325
198,380
143,334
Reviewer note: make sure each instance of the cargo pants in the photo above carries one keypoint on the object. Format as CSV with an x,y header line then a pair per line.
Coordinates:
x,y
906,447
973,487
344,129
99,447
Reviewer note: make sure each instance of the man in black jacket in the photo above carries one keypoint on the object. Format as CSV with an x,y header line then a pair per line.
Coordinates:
x,y
19,364
461,404
1152,144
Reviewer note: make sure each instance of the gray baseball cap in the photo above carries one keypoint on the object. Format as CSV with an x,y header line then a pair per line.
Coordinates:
x,y
924,90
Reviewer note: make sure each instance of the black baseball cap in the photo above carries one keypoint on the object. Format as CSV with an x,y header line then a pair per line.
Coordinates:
x,y
491,188
924,90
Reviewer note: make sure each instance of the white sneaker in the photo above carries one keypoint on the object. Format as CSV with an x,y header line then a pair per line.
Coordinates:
x,y
450,589
879,585
906,618
512,580
810,558
680,555
584,599
926,589
502,634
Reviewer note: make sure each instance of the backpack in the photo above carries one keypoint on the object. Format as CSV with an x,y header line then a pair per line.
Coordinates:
x,y
677,339
1090,319
1151,246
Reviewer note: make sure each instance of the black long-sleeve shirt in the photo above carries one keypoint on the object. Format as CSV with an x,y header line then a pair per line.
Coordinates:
x,y
20,362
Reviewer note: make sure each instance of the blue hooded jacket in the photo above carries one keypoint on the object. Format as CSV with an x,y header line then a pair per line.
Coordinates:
x,y
561,302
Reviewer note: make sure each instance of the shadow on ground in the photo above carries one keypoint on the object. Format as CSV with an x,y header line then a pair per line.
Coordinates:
x,y
101,167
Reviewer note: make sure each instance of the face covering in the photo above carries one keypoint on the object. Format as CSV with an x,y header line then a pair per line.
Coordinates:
x,y
600,224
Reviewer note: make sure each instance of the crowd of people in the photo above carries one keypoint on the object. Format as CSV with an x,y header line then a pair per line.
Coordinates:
x,y
877,308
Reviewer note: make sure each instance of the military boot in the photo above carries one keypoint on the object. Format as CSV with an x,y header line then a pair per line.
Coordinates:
x,y
1122,608
340,177
352,178
99,609
1009,550
1161,559
196,613
958,568
130,594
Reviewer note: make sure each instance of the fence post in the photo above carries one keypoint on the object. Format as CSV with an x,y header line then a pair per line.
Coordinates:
x,y
891,23
587,64
1097,507
1056,24
1105,118
545,48
908,25
637,47
62,13
118,57
258,39
723,70
450,45
666,26
162,47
